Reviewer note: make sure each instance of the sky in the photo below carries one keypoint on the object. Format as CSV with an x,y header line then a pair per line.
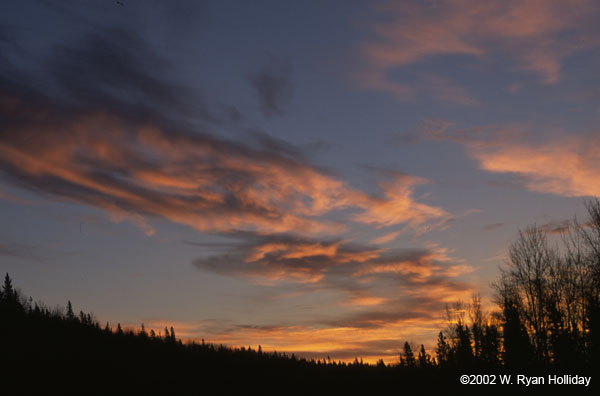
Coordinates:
x,y
319,178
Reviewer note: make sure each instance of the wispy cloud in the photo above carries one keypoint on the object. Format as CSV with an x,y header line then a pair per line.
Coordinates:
x,y
556,227
137,170
287,258
114,134
377,329
13,198
375,289
273,86
565,165
393,208
341,263
386,238
492,226
535,35
568,166
100,140
445,90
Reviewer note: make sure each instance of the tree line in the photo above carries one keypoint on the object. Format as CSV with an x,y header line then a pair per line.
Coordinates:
x,y
48,350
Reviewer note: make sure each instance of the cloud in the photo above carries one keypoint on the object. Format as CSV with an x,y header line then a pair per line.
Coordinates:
x,y
314,342
286,258
445,90
535,35
514,88
273,86
376,288
394,207
295,259
115,134
309,341
366,300
386,238
134,170
119,73
556,227
369,334
566,166
13,198
369,326
20,250
32,252
492,226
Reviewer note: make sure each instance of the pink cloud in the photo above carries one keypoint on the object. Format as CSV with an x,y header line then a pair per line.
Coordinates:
x,y
394,207
567,166
137,171
536,35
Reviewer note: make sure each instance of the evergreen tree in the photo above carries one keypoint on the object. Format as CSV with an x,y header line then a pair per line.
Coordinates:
x,y
463,350
442,350
424,358
9,294
409,356
518,350
490,347
70,314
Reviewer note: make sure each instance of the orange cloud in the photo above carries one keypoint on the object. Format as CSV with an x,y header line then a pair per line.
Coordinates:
x,y
419,268
333,265
372,334
365,300
394,208
383,299
567,166
386,238
536,34
133,171
310,341
339,343
136,171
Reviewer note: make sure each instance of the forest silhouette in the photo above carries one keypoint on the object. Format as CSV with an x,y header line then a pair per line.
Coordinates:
x,y
547,320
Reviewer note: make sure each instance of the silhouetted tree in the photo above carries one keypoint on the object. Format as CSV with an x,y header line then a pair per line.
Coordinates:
x,y
424,358
463,351
143,332
530,261
491,345
9,294
70,313
442,350
408,357
517,347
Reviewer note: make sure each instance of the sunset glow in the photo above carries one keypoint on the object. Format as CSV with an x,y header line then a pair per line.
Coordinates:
x,y
315,178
